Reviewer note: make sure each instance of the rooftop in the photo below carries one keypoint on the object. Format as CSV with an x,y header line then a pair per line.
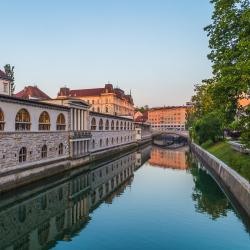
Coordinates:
x,y
32,92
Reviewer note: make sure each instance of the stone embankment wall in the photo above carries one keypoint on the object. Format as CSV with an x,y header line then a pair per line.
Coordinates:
x,y
236,184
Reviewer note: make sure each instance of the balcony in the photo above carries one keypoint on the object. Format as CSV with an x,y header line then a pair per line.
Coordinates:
x,y
80,134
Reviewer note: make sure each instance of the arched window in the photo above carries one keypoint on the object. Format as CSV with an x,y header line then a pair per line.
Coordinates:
x,y
1,120
107,109
125,125
121,139
112,141
121,126
131,126
60,122
44,152
93,124
117,125
101,124
107,125
93,109
60,149
112,125
98,109
23,154
93,144
23,120
44,121
100,143
107,141
128,125
117,140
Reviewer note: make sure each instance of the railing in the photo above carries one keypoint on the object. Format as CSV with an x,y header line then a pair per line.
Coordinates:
x,y
80,134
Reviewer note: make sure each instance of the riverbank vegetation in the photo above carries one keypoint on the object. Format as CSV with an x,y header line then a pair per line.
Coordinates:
x,y
237,161
216,102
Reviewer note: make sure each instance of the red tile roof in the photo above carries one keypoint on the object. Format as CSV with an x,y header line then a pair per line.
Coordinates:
x,y
86,92
142,118
95,92
32,92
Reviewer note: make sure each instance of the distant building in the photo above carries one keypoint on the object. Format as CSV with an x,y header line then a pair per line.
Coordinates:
x,y
107,100
141,117
5,84
32,93
168,118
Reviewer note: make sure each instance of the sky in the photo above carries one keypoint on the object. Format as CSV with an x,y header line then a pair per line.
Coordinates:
x,y
155,48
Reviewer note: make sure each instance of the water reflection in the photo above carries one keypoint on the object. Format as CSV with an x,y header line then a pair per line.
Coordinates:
x,y
40,215
36,218
207,195
169,158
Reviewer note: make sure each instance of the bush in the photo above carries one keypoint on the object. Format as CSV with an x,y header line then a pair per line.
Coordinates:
x,y
209,127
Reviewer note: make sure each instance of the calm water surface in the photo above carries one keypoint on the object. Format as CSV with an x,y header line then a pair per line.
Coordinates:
x,y
149,199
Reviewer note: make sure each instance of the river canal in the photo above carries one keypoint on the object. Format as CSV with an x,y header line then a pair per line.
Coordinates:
x,y
148,199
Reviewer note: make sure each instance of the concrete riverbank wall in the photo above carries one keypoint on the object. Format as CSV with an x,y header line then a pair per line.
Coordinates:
x,y
238,186
23,176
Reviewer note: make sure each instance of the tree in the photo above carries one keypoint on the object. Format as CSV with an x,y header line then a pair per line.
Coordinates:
x,y
229,41
209,127
9,71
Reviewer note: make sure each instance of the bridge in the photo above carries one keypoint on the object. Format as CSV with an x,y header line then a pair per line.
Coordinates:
x,y
181,133
171,137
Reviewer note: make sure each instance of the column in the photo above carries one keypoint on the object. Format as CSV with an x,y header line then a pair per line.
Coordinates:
x,y
75,121
83,120
71,119
79,119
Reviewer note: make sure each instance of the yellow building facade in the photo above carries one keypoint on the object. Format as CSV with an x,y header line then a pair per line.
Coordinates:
x,y
107,100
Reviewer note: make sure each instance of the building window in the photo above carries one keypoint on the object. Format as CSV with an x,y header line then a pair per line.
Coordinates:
x,y
44,121
60,122
128,125
117,125
101,124
107,109
93,124
117,140
60,149
100,143
125,125
121,127
5,88
1,120
107,141
93,144
23,120
44,151
22,155
121,139
112,141
107,125
112,125
98,109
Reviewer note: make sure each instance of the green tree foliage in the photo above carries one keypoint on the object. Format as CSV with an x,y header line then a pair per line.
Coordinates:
x,y
9,71
229,41
209,127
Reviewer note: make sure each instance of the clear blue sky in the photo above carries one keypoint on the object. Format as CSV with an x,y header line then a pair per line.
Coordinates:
x,y
156,48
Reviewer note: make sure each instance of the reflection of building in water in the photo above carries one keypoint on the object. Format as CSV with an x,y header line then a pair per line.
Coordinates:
x,y
105,179
37,217
168,158
142,155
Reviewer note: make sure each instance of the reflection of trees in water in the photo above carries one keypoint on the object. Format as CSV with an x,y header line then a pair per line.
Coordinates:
x,y
206,193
